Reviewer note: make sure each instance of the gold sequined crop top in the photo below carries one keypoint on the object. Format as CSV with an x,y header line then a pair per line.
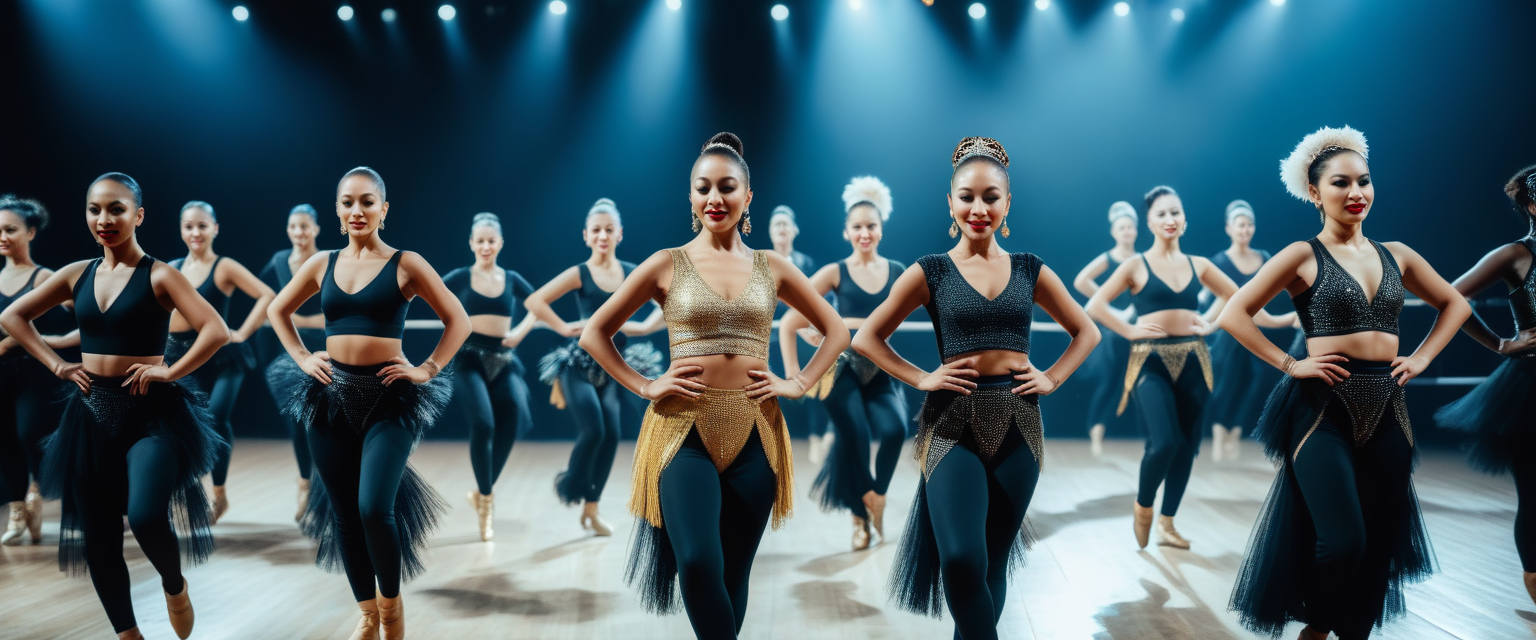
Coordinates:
x,y
701,323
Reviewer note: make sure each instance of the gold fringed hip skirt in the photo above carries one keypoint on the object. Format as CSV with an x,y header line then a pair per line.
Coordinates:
x,y
1174,353
724,419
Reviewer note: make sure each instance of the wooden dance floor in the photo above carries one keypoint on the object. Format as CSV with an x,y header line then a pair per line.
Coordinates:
x,y
542,578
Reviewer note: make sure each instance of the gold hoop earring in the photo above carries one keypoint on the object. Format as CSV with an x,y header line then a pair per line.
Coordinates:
x,y
1004,230
746,223
954,229
696,224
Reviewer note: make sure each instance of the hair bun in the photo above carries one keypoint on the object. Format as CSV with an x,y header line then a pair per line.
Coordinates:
x,y
486,217
1122,209
783,210
728,140
868,190
605,202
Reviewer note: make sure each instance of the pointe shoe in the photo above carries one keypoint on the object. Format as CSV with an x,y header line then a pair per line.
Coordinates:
x,y
391,617
220,504
131,634
874,504
1096,440
368,625
1234,443
303,499
1168,536
35,513
593,522
860,534
485,508
1141,523
16,525
1218,442
1530,585
179,607
1308,634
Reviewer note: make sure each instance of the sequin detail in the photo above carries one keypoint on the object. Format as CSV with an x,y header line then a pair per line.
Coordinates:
x,y
724,419
1335,304
1522,301
641,356
863,368
492,361
989,412
355,396
110,407
701,323
966,322
1174,352
1365,397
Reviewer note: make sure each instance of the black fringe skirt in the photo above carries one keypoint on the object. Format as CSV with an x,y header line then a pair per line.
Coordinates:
x,y
354,400
643,356
234,354
1499,414
108,421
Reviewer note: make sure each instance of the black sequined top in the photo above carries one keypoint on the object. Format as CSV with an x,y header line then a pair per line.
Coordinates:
x,y
1335,304
1522,301
966,322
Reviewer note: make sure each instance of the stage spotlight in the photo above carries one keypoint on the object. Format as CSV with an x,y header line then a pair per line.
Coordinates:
x,y
345,13
977,11
779,12
388,15
1177,15
1042,4
241,13
447,12
674,4
1122,9
855,4
1277,2
557,7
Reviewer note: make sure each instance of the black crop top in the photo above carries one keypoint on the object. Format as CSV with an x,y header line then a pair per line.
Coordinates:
x,y
209,288
966,322
1156,295
277,274
459,281
589,297
1522,301
6,300
853,301
1335,304
378,309
134,325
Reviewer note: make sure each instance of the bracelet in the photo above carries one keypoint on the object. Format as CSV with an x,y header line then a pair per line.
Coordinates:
x,y
1287,364
432,366
797,381
645,386
1052,378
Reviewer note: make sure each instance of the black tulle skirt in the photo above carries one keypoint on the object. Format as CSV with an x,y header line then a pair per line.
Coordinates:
x,y
355,400
234,354
109,421
1499,414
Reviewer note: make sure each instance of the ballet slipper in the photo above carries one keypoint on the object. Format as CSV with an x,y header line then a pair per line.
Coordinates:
x,y
1168,536
391,616
179,607
220,504
1096,440
593,522
860,534
485,508
1141,523
1234,442
16,525
1308,634
1218,442
35,513
303,499
1530,585
368,625
874,504
131,634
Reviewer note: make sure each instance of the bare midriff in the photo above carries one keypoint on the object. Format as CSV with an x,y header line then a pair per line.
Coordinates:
x,y
726,370
362,351
1176,322
995,362
490,325
114,366
1377,346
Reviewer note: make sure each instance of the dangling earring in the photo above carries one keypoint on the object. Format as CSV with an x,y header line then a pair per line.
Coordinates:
x,y
343,230
1004,230
696,224
954,229
746,223
381,225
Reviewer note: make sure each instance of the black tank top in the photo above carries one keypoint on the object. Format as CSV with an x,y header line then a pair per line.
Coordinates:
x,y
1335,304
853,301
6,300
1158,296
589,297
277,274
135,325
378,309
514,288
209,288
966,322
1522,301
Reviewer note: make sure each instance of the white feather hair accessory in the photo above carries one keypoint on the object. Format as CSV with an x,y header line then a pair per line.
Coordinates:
x,y
1123,209
868,190
1240,208
1293,169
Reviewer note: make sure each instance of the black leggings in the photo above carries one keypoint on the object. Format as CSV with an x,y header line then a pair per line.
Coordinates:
x,y
596,412
1350,494
137,478
223,387
497,410
361,473
977,509
26,389
859,413
1524,471
715,521
1171,411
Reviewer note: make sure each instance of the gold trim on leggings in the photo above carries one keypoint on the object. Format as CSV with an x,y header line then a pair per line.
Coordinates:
x,y
1365,397
863,367
1174,352
724,419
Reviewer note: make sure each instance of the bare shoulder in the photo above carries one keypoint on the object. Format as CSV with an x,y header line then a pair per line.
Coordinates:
x,y
1402,253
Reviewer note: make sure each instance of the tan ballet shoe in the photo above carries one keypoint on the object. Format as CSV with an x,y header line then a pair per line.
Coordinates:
x,y
1096,440
1530,585
368,625
593,522
860,534
131,634
1218,442
391,616
15,525
874,504
1308,634
35,513
1234,443
303,499
484,505
1141,523
220,504
179,607
1168,536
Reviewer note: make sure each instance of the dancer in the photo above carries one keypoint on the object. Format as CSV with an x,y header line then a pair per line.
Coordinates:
x,y
132,440
713,465
579,383
26,387
1243,376
489,379
221,376
303,226
1497,412
1105,367
1341,532
864,401
979,434
1170,396
782,230
364,406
